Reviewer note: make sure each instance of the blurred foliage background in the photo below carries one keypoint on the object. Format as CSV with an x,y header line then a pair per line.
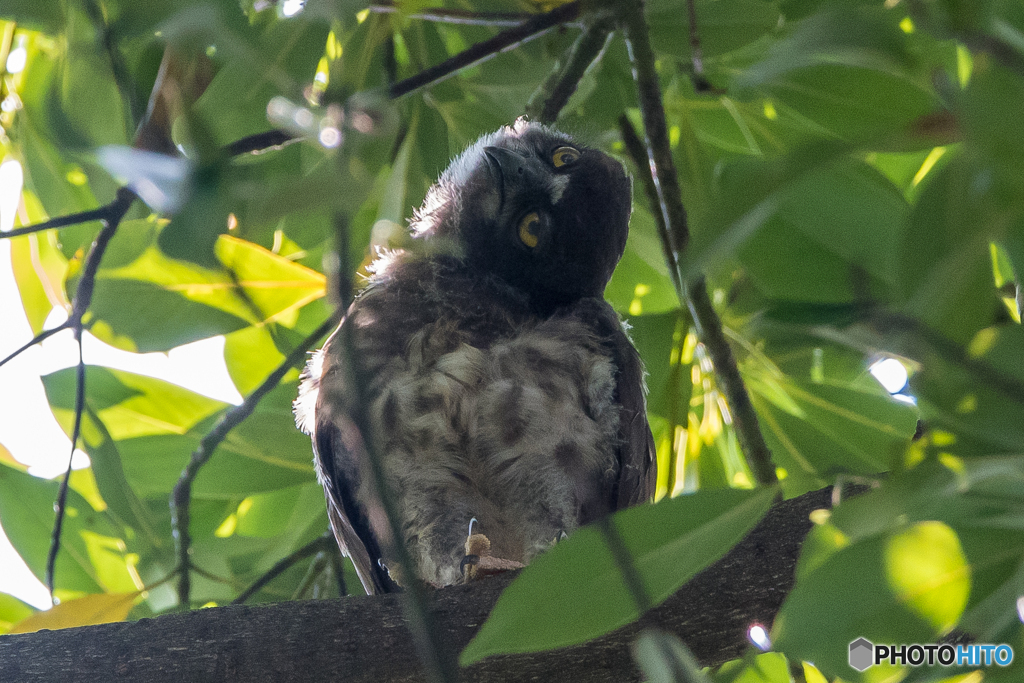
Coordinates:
x,y
853,174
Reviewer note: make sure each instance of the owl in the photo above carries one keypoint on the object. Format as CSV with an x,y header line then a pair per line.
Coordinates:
x,y
501,393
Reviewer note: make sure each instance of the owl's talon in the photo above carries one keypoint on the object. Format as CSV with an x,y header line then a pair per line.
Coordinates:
x,y
468,561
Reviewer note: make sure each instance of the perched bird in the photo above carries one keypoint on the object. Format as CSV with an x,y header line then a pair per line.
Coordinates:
x,y
495,383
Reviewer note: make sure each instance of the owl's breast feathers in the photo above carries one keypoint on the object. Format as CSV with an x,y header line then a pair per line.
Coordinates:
x,y
480,408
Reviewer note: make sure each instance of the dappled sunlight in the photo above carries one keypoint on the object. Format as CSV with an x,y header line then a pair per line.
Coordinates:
x,y
927,570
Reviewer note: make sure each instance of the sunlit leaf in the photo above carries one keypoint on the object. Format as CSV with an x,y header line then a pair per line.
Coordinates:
x,y
817,431
12,610
101,608
770,667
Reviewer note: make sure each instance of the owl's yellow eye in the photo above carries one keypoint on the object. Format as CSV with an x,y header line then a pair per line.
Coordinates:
x,y
564,156
527,229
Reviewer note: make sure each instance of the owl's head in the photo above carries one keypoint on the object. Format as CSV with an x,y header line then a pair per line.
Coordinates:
x,y
530,205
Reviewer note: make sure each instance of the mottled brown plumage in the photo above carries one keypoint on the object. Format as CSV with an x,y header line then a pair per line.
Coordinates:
x,y
499,384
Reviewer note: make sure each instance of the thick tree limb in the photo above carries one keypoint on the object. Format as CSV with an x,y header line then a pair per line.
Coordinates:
x,y
365,639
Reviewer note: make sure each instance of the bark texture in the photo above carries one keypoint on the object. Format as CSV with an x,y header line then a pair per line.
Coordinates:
x,y
364,638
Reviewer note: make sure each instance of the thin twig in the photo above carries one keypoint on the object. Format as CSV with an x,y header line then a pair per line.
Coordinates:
x,y
181,497
42,336
62,493
324,542
664,187
506,40
700,82
437,660
552,96
638,153
260,142
59,222
310,584
727,375
433,653
652,112
457,16
115,211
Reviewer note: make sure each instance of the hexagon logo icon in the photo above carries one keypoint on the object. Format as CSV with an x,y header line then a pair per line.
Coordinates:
x,y
862,653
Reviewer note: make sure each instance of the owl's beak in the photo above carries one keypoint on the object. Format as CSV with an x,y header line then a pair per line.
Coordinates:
x,y
513,172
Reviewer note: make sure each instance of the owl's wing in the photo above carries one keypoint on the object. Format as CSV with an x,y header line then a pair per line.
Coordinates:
x,y
637,475
637,460
337,447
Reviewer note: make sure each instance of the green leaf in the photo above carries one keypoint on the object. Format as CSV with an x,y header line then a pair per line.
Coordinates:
x,y
129,405
264,453
903,563
26,507
575,592
868,590
846,69
280,61
144,301
270,514
641,283
723,27
251,355
816,431
40,16
102,608
770,667
968,413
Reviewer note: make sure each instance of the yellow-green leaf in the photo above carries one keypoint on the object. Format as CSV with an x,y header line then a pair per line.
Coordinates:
x,y
101,608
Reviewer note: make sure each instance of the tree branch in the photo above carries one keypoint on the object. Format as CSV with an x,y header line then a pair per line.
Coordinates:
x,y
181,497
506,40
62,493
551,97
638,153
696,51
116,211
324,542
60,222
727,374
652,111
457,16
662,183
39,338
363,639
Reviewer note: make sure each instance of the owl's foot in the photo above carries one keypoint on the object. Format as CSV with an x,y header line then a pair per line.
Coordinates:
x,y
478,562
